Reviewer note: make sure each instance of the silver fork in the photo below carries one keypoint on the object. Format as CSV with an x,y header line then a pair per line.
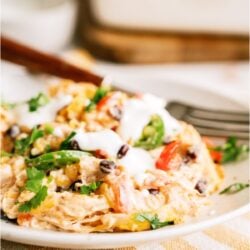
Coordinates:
x,y
217,123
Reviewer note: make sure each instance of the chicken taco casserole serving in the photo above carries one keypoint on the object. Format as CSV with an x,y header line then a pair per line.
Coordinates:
x,y
86,159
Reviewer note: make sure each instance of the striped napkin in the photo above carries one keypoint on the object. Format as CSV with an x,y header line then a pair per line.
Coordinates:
x,y
234,234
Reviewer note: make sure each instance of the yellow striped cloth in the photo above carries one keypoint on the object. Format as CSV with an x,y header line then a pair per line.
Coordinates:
x,y
234,234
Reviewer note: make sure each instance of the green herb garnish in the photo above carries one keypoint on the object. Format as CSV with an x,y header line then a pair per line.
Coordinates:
x,y
22,145
37,102
48,129
99,94
34,184
47,149
35,178
55,159
231,151
154,221
88,189
66,143
234,188
35,201
5,154
152,134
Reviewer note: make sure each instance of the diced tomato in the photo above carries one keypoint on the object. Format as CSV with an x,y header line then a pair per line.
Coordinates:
x,y
24,217
169,156
216,156
103,102
108,100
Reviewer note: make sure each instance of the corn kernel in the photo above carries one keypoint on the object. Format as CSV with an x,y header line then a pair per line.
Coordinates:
x,y
71,171
63,181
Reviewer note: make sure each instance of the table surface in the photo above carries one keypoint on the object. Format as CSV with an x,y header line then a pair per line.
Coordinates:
x,y
233,80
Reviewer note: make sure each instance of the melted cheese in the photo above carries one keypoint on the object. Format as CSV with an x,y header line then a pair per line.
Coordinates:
x,y
43,114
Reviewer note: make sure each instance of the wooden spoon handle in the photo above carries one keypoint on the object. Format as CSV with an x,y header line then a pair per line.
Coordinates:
x,y
41,62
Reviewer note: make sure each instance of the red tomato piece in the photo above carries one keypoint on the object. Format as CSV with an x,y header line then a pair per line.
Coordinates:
x,y
103,102
216,156
110,99
169,155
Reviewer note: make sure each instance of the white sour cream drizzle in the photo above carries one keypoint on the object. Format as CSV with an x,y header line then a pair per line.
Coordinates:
x,y
43,114
136,161
137,114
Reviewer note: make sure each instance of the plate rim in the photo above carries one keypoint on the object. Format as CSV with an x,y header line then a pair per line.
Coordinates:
x,y
76,240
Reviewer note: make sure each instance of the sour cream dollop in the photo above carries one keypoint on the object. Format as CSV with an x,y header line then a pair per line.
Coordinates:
x,y
137,113
136,160
106,140
43,114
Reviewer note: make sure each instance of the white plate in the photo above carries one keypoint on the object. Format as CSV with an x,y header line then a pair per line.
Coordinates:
x,y
225,207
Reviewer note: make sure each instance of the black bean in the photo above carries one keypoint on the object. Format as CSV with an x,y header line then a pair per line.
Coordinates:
x,y
59,189
116,112
14,131
191,155
201,186
153,191
73,186
74,145
122,151
107,166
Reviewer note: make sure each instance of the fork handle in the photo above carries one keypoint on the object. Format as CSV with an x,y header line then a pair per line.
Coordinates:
x,y
42,62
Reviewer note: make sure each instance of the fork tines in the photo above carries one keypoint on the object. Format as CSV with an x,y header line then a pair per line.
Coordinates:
x,y
210,122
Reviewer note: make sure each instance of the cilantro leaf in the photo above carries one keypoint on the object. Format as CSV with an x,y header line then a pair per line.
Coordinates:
x,y
154,221
22,145
88,189
35,178
37,102
34,173
34,185
231,151
99,94
66,143
234,188
35,201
